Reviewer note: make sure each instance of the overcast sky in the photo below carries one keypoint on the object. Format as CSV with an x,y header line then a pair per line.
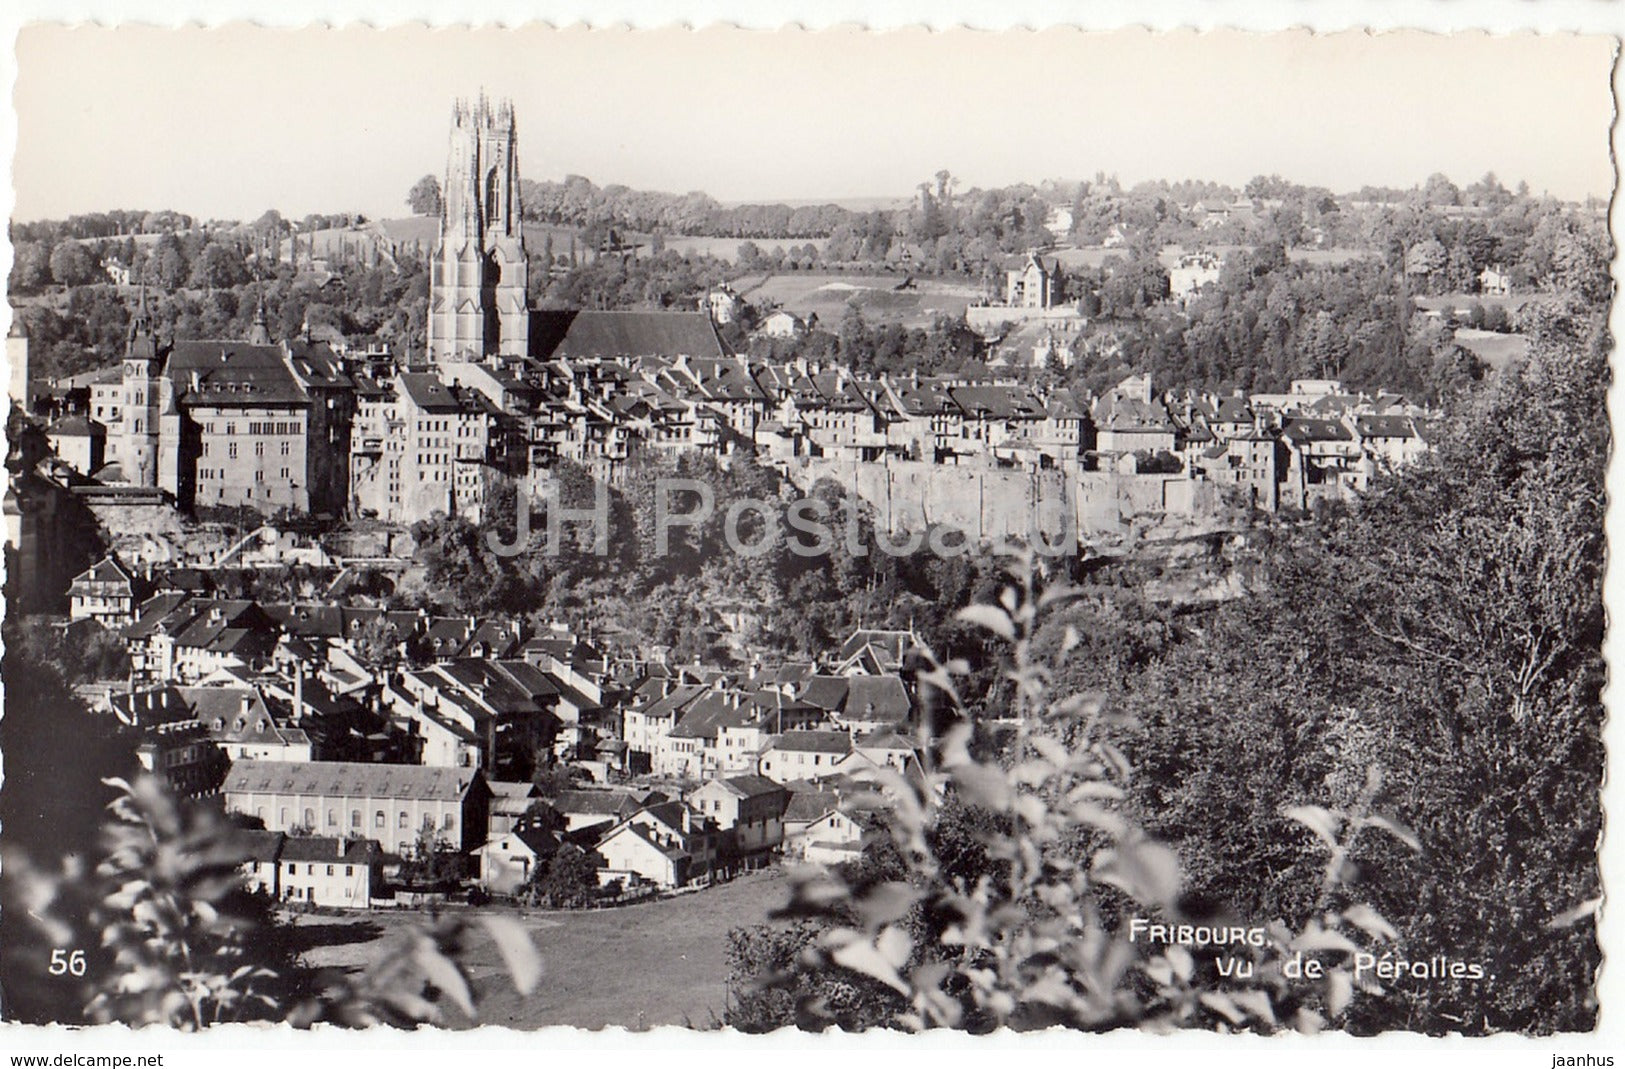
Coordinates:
x,y
225,123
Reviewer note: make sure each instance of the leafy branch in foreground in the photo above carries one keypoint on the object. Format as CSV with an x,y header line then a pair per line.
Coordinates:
x,y
184,945
1044,929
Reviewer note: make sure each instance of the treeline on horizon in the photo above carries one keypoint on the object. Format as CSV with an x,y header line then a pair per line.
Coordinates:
x,y
1272,316
578,201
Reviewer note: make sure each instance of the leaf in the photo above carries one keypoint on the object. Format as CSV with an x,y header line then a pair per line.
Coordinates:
x,y
895,946
442,972
990,617
1307,1021
862,957
982,786
1370,921
1256,1003
1180,959
1339,991
1032,773
1145,870
1397,830
1318,819
885,902
1095,789
518,952
1222,1005
1574,916
1086,812
1050,750
1318,938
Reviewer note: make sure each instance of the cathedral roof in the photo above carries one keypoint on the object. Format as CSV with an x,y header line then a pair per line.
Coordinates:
x,y
612,335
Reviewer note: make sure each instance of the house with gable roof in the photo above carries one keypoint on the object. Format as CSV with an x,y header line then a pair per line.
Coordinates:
x,y
509,859
105,592
834,836
693,749
749,810
805,755
667,845
332,871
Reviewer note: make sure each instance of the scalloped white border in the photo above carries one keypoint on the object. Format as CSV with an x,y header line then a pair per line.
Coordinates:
x,y
269,1047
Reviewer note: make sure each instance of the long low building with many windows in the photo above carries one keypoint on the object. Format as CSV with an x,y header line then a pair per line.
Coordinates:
x,y
394,804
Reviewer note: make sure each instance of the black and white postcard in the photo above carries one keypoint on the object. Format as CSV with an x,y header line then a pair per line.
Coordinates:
x,y
751,530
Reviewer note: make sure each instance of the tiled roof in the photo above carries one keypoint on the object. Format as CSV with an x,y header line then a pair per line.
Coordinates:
x,y
752,786
1384,427
596,803
826,692
351,779
257,845
838,742
1306,430
711,714
997,402
233,373
876,698
680,698
330,850
429,393
808,806
895,644
674,852
77,427
106,570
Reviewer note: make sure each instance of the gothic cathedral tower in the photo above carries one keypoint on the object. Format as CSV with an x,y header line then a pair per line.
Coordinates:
x,y
478,305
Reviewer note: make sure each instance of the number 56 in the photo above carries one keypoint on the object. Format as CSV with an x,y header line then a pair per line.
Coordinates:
x,y
63,962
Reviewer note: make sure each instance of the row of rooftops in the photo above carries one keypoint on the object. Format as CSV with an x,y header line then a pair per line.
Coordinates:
x,y
622,367
198,619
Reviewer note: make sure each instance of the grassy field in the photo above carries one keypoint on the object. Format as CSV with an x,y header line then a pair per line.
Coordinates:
x,y
806,292
658,963
1496,350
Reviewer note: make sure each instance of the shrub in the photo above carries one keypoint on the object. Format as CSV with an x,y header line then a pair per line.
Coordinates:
x,y
1025,917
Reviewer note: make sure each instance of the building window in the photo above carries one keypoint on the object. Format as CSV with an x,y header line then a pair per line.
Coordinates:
x,y
332,818
400,821
231,449
310,818
355,818
349,870
378,819
330,870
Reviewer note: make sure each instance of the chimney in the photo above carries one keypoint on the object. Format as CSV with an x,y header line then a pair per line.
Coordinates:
x,y
298,692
